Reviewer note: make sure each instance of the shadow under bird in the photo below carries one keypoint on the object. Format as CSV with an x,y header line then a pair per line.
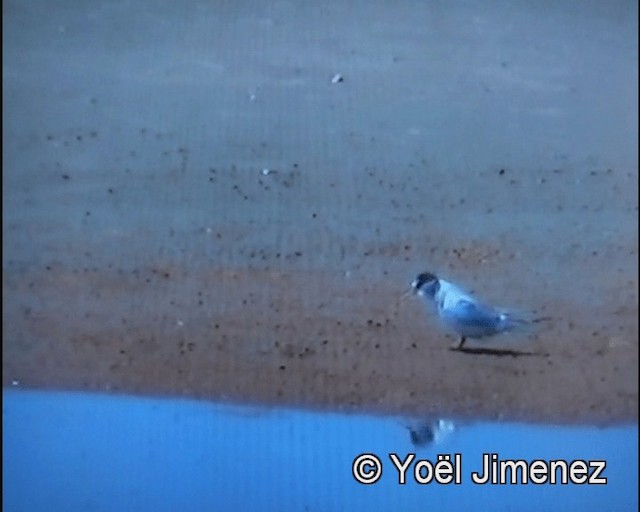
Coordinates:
x,y
462,313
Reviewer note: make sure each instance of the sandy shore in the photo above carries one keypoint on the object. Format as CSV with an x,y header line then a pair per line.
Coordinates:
x,y
192,207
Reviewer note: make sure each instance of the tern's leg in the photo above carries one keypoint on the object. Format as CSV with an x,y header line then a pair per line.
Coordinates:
x,y
462,340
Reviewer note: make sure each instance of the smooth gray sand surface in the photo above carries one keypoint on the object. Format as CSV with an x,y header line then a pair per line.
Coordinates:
x,y
193,207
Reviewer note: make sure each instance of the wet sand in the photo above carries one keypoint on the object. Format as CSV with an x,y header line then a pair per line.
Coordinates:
x,y
193,208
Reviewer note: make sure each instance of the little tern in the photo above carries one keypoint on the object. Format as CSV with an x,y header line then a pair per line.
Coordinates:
x,y
462,313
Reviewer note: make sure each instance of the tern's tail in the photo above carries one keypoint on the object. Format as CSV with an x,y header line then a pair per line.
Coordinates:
x,y
511,321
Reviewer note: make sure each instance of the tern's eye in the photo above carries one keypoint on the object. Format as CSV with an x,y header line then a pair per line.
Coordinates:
x,y
424,278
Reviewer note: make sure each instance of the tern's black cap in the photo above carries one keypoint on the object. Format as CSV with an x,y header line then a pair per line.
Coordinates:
x,y
424,278
422,435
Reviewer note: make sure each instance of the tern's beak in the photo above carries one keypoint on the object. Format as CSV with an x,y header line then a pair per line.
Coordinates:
x,y
407,294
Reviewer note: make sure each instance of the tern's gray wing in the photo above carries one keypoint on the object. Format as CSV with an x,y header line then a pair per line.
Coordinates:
x,y
473,315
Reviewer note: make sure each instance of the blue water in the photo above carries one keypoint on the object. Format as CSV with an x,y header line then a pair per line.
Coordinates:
x,y
70,452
